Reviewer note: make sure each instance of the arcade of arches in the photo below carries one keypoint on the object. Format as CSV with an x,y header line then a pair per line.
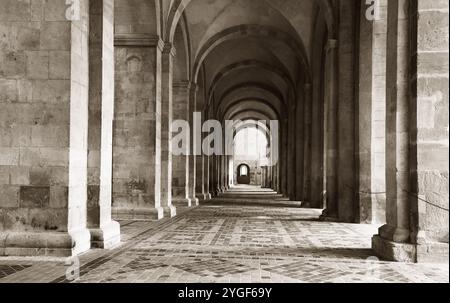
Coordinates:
x,y
86,108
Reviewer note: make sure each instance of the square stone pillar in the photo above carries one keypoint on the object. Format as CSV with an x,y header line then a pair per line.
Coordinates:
x,y
371,117
331,131
168,54
105,233
346,112
292,174
200,173
180,164
299,143
417,134
219,173
44,72
393,240
137,127
307,110
224,173
200,192
263,176
213,175
192,157
207,171
284,158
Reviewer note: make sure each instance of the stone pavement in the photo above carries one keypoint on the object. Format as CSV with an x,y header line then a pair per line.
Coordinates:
x,y
242,236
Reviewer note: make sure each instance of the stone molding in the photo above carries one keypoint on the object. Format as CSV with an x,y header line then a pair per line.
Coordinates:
x,y
139,40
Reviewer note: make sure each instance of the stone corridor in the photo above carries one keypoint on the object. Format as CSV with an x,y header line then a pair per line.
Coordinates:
x,y
247,234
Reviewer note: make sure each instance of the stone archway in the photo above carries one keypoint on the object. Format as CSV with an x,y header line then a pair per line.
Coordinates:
x,y
243,174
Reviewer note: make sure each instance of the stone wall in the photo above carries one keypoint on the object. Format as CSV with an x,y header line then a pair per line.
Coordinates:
x,y
43,126
430,125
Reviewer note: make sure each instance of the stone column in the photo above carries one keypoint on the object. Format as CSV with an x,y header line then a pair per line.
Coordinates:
x,y
371,116
207,170
219,173
417,134
214,174
224,173
275,184
291,152
44,99
137,128
269,177
263,177
200,157
180,164
284,159
200,179
307,112
192,157
346,112
276,144
168,54
208,166
397,228
331,112
299,144
317,131
105,233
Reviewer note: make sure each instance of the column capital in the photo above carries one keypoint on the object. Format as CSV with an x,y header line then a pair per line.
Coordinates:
x,y
182,84
140,40
193,88
169,49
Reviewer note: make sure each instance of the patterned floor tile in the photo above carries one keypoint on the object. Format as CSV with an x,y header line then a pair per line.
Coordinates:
x,y
238,237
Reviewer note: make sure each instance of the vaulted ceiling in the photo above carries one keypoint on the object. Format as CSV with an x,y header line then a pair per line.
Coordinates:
x,y
248,54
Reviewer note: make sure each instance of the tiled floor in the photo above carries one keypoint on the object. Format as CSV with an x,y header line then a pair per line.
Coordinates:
x,y
241,237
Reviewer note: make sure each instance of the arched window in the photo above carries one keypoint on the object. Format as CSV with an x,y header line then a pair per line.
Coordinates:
x,y
243,170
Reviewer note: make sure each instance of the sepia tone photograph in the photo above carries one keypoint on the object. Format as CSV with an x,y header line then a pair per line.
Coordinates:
x,y
224,142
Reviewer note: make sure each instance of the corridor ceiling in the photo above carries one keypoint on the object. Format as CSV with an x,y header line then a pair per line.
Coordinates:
x,y
247,54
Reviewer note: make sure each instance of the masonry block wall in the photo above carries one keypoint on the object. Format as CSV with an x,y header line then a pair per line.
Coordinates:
x,y
43,128
430,127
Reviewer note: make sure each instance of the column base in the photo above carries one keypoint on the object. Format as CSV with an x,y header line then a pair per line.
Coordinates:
x,y
328,216
306,204
170,211
48,244
195,201
395,234
182,202
106,237
392,251
202,197
143,214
